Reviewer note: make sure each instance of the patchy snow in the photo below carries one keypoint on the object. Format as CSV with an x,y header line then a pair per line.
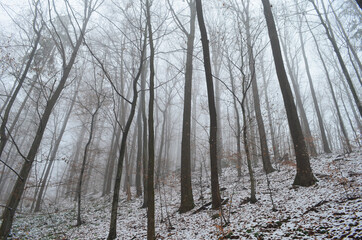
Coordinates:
x,y
330,209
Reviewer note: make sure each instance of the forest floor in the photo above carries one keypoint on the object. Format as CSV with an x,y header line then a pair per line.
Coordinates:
x,y
331,209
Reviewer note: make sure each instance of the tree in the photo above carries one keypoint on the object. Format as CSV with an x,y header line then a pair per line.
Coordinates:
x,y
93,114
187,200
151,134
304,176
216,199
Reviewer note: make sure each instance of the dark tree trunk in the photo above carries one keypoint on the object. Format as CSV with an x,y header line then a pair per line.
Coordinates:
x,y
304,176
151,135
85,154
187,200
139,154
216,199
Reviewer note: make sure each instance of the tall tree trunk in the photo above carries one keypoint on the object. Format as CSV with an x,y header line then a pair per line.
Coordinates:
x,y
160,150
151,134
107,180
187,200
248,158
216,199
304,176
139,154
145,131
85,154
72,169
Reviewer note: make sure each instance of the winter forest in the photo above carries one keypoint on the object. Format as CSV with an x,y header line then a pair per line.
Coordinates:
x,y
170,119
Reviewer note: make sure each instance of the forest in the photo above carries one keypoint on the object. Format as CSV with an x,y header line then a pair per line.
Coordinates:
x,y
170,119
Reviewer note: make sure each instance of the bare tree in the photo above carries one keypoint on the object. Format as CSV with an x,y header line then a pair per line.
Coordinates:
x,y
187,200
216,199
304,176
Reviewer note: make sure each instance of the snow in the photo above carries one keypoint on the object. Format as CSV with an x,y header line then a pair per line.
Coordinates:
x,y
332,208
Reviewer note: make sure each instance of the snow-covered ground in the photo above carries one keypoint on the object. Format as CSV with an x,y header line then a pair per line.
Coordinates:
x,y
330,209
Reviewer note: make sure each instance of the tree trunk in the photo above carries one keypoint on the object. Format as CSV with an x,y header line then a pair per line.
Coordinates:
x,y
238,127
304,176
139,154
187,200
151,135
340,119
80,181
216,199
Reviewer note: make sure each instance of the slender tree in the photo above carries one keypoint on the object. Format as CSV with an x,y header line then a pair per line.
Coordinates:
x,y
304,176
187,200
216,199
151,134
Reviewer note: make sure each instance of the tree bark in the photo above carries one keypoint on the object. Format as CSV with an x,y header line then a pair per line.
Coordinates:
x,y
151,135
304,176
187,200
216,199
